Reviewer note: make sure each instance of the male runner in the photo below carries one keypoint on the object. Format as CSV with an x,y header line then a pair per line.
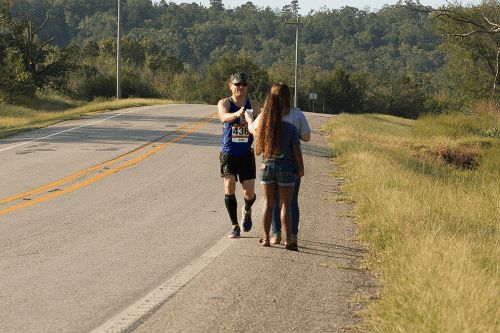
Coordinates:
x,y
237,159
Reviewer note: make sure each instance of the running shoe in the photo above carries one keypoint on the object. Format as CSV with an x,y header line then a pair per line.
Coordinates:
x,y
235,232
246,220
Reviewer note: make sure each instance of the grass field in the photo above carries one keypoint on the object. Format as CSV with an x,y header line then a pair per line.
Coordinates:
x,y
428,208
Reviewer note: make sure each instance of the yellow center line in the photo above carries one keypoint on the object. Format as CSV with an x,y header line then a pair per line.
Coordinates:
x,y
106,173
81,173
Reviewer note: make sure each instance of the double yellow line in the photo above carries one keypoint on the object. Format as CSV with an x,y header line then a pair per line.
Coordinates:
x,y
101,175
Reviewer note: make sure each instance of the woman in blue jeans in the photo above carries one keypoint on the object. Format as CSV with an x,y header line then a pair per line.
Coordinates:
x,y
297,118
282,163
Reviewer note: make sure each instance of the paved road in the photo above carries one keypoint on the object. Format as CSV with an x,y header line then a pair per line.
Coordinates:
x,y
99,213
249,288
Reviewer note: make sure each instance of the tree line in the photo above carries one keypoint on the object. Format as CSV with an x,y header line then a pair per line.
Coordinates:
x,y
393,61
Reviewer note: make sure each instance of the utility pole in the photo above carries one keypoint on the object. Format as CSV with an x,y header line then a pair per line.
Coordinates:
x,y
118,58
297,25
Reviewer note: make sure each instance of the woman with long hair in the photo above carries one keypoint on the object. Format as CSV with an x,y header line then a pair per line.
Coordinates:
x,y
282,163
297,118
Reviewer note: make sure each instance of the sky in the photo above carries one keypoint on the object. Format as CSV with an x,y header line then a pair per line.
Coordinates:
x,y
307,5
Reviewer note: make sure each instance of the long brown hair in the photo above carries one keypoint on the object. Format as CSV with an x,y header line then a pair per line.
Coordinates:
x,y
283,92
269,133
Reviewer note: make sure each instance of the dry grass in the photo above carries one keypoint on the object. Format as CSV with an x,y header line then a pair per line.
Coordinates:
x,y
431,224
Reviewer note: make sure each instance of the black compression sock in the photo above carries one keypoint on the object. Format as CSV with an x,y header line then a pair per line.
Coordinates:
x,y
232,208
249,203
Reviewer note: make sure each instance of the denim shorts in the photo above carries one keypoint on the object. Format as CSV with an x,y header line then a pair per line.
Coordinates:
x,y
278,172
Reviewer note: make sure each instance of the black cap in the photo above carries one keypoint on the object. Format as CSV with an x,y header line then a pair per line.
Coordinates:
x,y
238,77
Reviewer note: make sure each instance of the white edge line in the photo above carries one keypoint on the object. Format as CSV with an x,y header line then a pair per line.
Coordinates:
x,y
77,127
137,313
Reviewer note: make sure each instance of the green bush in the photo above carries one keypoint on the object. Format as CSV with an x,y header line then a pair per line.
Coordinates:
x,y
15,83
137,82
215,86
183,87
100,81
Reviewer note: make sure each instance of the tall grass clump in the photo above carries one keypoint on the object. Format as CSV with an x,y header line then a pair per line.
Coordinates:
x,y
431,222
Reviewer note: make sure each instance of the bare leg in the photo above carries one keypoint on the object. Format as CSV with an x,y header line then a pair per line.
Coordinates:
x,y
285,194
229,184
248,187
269,193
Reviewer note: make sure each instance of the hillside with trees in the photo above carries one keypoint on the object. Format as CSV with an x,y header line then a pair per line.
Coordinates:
x,y
391,61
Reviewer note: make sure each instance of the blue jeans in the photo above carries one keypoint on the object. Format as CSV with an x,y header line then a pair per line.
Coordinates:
x,y
294,213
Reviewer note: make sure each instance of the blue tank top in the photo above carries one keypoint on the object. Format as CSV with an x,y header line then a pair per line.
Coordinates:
x,y
236,138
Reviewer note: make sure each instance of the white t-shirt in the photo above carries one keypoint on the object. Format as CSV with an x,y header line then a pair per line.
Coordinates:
x,y
295,117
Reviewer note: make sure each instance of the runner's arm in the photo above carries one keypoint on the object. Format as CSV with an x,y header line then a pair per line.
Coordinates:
x,y
223,111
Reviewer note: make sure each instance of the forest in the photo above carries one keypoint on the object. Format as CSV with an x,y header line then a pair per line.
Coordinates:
x,y
403,60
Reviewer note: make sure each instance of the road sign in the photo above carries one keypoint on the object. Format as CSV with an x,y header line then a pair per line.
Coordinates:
x,y
313,96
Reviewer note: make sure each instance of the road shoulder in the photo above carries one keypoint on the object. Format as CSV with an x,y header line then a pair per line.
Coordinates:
x,y
250,288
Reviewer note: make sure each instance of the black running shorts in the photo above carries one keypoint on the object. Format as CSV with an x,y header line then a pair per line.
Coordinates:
x,y
242,166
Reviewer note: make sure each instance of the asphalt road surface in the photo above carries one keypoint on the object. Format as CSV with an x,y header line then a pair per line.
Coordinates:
x,y
97,213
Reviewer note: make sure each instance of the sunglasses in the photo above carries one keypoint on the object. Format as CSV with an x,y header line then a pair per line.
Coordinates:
x,y
240,84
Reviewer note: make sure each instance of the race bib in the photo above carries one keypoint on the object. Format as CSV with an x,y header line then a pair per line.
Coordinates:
x,y
240,133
